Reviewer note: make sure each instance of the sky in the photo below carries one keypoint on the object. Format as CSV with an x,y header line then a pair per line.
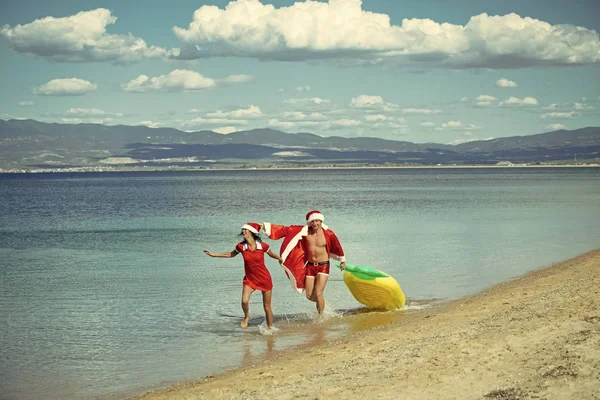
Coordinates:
x,y
411,70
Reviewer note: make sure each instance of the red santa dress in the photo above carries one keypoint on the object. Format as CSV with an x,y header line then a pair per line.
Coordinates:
x,y
257,275
293,249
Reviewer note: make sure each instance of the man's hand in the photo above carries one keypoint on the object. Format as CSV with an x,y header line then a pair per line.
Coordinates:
x,y
343,265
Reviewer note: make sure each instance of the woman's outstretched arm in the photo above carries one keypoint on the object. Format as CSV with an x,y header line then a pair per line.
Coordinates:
x,y
222,255
275,256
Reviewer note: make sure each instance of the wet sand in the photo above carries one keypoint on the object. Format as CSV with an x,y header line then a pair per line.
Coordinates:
x,y
534,337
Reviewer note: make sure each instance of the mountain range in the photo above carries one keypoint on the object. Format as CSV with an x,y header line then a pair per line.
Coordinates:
x,y
30,144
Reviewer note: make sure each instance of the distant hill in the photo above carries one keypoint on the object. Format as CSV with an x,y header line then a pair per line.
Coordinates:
x,y
33,144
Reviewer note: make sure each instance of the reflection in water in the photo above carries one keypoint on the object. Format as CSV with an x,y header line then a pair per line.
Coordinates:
x,y
303,331
368,319
267,349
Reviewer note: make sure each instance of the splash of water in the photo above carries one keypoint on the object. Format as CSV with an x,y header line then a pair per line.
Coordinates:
x,y
328,313
264,330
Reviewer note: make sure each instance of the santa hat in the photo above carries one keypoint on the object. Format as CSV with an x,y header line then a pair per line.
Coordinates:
x,y
313,215
252,227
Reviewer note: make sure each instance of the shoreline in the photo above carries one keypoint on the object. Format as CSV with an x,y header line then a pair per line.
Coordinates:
x,y
97,169
534,336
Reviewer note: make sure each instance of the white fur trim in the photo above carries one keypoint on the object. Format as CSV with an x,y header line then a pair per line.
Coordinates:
x,y
338,258
267,228
314,216
258,246
292,279
292,243
251,229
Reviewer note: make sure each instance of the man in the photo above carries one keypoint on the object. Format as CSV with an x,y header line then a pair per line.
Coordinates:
x,y
305,251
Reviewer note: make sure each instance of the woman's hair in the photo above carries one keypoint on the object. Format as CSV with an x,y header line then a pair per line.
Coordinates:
x,y
254,235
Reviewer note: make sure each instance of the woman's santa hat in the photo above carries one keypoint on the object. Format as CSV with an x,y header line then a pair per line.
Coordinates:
x,y
252,227
313,215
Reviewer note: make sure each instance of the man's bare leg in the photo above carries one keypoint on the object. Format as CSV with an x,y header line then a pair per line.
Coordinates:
x,y
267,306
309,286
246,292
318,290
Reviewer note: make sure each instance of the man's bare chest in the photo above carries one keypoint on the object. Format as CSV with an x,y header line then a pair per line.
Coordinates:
x,y
316,239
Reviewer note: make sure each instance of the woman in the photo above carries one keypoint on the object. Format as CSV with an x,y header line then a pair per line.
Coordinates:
x,y
257,275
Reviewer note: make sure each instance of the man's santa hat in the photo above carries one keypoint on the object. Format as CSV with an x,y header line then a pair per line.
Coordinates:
x,y
314,215
252,227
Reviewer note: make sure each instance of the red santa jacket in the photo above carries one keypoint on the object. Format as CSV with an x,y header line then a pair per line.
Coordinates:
x,y
292,249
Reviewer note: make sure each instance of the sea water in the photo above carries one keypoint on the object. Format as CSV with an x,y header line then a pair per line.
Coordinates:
x,y
105,290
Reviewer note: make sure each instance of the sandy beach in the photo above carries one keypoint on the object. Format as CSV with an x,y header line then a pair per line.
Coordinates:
x,y
534,337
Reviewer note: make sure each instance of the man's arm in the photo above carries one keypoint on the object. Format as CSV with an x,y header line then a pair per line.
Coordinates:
x,y
274,231
335,249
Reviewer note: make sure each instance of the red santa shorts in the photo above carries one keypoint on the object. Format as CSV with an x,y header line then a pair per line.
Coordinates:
x,y
320,268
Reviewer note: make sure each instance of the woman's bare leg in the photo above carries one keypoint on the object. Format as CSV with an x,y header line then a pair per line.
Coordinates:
x,y
267,306
246,292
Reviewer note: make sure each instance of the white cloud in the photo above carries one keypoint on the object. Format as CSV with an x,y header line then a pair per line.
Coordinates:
x,y
485,100
420,111
464,99
300,115
553,106
79,38
307,102
427,124
309,30
150,124
402,127
560,115
26,103
556,127
457,125
366,101
345,123
372,103
505,83
201,123
6,117
304,88
251,111
224,130
378,117
86,120
582,107
565,107
515,101
66,87
89,112
241,78
466,140
177,80
276,123
452,124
